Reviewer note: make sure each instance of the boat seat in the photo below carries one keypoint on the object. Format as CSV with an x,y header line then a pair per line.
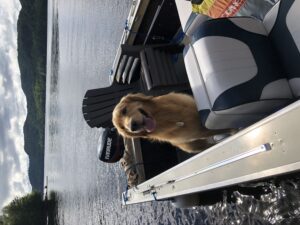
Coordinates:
x,y
240,71
129,64
159,74
160,65
99,103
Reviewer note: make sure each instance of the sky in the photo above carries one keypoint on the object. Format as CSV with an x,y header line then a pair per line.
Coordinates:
x,y
14,162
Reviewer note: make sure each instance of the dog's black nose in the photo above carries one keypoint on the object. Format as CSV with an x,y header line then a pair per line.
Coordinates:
x,y
134,126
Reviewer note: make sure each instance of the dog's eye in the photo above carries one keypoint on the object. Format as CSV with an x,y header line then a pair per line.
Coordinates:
x,y
124,111
143,112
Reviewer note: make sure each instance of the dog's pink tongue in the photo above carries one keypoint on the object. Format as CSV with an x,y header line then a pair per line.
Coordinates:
x,y
149,124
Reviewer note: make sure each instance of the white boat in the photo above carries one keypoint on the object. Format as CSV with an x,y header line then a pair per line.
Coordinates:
x,y
243,73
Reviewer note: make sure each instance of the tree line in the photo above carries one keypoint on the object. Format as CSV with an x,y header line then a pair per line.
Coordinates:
x,y
32,52
31,209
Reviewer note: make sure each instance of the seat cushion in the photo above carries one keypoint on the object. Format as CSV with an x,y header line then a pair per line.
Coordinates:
x,y
234,117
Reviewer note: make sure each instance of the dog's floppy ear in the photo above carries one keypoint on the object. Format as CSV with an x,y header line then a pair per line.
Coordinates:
x,y
137,97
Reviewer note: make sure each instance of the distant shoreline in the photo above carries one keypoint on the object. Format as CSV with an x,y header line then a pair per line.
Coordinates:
x,y
32,52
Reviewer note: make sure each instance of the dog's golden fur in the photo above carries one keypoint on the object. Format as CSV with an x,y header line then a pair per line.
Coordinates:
x,y
170,118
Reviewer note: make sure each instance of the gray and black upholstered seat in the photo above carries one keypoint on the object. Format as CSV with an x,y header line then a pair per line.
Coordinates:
x,y
242,69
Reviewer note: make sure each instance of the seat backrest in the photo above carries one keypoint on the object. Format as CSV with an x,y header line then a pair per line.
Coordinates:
x,y
282,23
128,64
99,103
160,64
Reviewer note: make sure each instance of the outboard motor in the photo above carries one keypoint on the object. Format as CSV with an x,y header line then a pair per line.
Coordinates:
x,y
110,146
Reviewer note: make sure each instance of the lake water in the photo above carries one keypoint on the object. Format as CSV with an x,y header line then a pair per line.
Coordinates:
x,y
83,36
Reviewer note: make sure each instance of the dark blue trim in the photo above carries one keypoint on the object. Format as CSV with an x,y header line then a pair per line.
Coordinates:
x,y
189,22
284,43
268,65
204,113
185,50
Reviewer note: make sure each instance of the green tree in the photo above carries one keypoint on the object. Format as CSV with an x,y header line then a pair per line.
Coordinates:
x,y
28,210
1,220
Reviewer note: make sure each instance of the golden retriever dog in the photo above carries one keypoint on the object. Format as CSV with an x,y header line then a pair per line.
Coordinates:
x,y
169,118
